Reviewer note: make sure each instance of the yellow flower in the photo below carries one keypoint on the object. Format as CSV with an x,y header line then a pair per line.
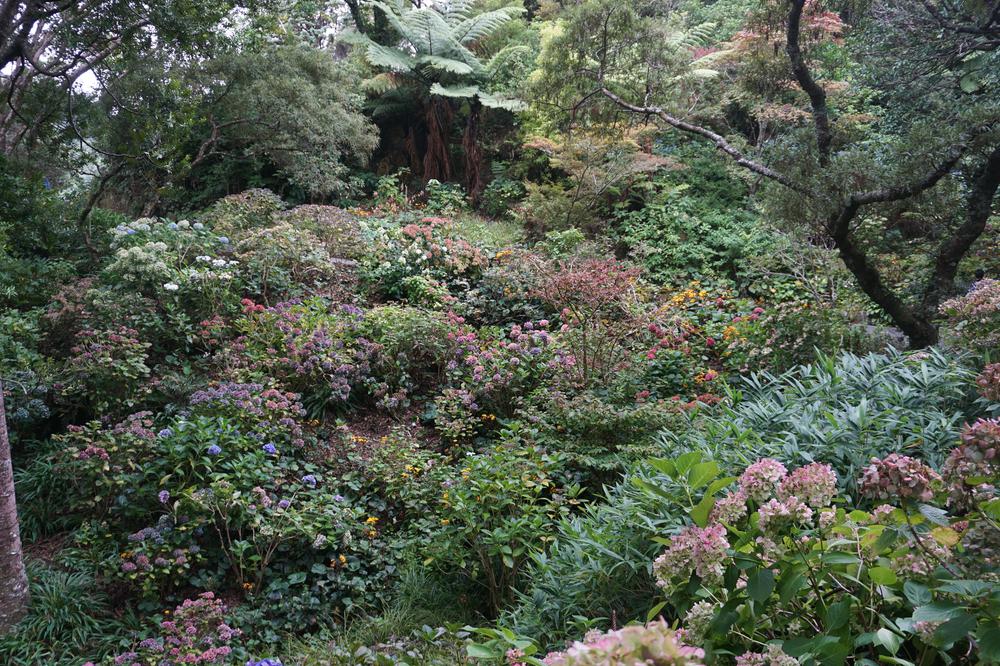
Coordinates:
x,y
445,521
247,586
371,520
342,560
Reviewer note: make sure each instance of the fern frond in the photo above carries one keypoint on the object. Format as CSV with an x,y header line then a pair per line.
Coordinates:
x,y
499,102
390,58
445,64
455,91
483,25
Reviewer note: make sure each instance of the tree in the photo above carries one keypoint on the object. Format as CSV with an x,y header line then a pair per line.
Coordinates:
x,y
287,117
829,174
434,62
55,43
14,590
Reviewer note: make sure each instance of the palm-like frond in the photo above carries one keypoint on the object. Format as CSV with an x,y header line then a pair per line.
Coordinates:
x,y
449,65
455,91
389,58
483,25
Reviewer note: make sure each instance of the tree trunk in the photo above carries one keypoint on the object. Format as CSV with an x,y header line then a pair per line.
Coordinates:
x,y
437,165
473,153
13,579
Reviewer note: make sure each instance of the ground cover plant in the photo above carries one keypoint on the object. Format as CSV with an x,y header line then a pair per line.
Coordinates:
x,y
501,333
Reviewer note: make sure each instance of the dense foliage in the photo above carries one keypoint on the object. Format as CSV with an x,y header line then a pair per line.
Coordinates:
x,y
589,333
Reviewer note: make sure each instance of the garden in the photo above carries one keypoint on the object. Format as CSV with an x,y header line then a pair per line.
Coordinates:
x,y
501,334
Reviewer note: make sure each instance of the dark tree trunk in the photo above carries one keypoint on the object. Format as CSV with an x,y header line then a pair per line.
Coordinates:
x,y
473,153
13,579
979,208
437,164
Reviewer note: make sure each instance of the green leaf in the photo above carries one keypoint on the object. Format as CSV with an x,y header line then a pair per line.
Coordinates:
x,y
989,643
791,582
938,611
916,594
702,473
479,651
654,611
838,614
888,639
701,511
882,576
955,629
760,585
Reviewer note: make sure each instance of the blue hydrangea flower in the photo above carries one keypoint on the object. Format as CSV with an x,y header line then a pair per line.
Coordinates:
x,y
338,498
164,496
214,450
223,240
270,449
284,504
309,480
166,432
265,662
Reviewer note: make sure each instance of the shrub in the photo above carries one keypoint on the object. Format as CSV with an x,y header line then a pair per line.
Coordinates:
x,y
252,209
777,562
974,319
196,632
593,297
106,372
494,516
840,410
412,349
500,197
309,346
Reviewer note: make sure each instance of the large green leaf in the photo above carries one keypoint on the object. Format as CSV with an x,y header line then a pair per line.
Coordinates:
x,y
454,91
498,102
445,64
390,58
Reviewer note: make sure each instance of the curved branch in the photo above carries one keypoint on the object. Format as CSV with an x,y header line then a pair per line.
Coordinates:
x,y
720,141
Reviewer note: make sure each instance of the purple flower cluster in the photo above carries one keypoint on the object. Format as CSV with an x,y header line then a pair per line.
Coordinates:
x,y
269,411
197,633
301,341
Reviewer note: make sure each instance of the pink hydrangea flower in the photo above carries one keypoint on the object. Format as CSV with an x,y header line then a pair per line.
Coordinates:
x,y
897,476
814,484
760,480
699,550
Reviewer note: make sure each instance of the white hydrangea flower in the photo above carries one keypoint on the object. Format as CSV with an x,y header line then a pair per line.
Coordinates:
x,y
171,286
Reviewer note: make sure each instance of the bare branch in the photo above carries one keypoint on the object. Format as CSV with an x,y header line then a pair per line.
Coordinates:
x,y
720,141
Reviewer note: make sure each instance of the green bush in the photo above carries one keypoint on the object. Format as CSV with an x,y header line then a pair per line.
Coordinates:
x,y
841,410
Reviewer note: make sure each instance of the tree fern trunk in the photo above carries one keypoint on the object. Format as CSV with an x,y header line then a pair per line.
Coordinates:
x,y
437,164
473,152
13,579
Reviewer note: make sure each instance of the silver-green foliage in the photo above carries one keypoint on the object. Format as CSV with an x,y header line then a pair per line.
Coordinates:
x,y
841,410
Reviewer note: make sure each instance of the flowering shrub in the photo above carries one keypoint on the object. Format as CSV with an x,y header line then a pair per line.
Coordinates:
x,y
778,561
270,414
974,319
195,633
412,348
168,260
593,297
284,261
426,247
107,370
308,346
489,372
